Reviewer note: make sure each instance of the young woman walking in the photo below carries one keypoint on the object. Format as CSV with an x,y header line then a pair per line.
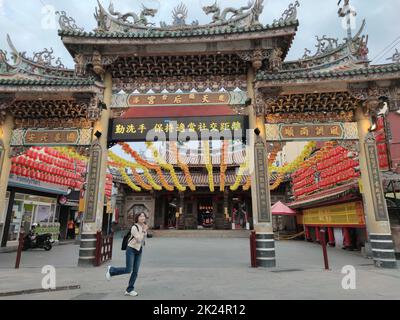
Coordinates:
x,y
133,254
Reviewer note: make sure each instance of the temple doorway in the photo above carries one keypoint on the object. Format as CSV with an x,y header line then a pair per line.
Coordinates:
x,y
205,213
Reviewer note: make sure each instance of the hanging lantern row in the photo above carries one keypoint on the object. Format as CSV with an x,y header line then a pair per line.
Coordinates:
x,y
144,163
118,162
52,160
299,162
304,174
55,153
24,162
184,167
166,166
45,176
343,176
348,164
108,187
335,165
304,182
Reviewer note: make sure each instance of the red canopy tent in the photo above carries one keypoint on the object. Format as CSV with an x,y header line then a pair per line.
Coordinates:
x,y
279,209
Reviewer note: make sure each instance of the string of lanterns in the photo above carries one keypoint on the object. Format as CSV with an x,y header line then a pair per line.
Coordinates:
x,y
166,166
209,166
247,185
127,149
69,152
50,166
243,167
128,180
224,167
329,167
119,162
184,167
297,163
277,182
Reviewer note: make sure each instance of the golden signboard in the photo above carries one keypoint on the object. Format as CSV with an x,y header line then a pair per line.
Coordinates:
x,y
138,100
341,215
41,137
302,131
311,131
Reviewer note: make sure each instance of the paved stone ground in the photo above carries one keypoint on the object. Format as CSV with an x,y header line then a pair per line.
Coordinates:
x,y
202,268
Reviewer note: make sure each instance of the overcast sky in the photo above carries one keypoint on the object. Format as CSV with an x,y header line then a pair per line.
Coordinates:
x,y
32,25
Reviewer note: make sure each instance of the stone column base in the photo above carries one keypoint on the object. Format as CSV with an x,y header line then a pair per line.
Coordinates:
x,y
383,251
265,250
87,250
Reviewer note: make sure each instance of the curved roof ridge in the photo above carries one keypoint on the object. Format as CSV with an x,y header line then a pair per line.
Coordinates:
x,y
330,57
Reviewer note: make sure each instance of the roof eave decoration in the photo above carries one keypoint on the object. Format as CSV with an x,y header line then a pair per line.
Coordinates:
x,y
40,66
332,56
38,72
289,15
114,21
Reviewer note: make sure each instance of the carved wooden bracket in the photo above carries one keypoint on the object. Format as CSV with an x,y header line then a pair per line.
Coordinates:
x,y
98,62
6,100
371,98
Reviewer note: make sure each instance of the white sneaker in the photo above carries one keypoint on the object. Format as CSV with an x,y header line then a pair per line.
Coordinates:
x,y
132,293
108,275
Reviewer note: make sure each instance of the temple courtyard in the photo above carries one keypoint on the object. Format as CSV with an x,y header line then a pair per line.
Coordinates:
x,y
201,269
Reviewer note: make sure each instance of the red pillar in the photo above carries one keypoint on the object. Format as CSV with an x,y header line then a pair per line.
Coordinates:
x,y
346,237
331,237
317,237
307,232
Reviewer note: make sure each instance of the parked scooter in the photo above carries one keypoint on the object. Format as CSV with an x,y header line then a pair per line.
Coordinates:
x,y
33,240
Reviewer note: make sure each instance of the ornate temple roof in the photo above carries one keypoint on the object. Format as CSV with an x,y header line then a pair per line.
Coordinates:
x,y
332,60
112,23
43,69
117,33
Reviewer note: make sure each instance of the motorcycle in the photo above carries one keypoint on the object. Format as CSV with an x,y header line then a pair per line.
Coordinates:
x,y
43,241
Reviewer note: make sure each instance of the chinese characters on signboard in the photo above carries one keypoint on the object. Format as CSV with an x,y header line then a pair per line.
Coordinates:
x,y
92,184
51,137
378,197
136,100
264,205
138,129
309,131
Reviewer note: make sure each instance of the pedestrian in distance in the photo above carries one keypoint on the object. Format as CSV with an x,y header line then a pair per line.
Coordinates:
x,y
133,244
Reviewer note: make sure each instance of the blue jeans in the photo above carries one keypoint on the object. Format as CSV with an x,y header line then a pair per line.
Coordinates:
x,y
133,259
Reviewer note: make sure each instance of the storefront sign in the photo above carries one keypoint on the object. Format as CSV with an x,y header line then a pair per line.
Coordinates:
x,y
172,129
93,183
42,137
25,182
350,213
378,198
263,196
177,99
309,131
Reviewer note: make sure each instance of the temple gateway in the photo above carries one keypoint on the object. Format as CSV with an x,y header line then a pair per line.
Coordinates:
x,y
212,105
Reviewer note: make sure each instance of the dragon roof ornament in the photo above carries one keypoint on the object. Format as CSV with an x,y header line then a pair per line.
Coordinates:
x,y
67,23
330,53
290,14
40,66
114,21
